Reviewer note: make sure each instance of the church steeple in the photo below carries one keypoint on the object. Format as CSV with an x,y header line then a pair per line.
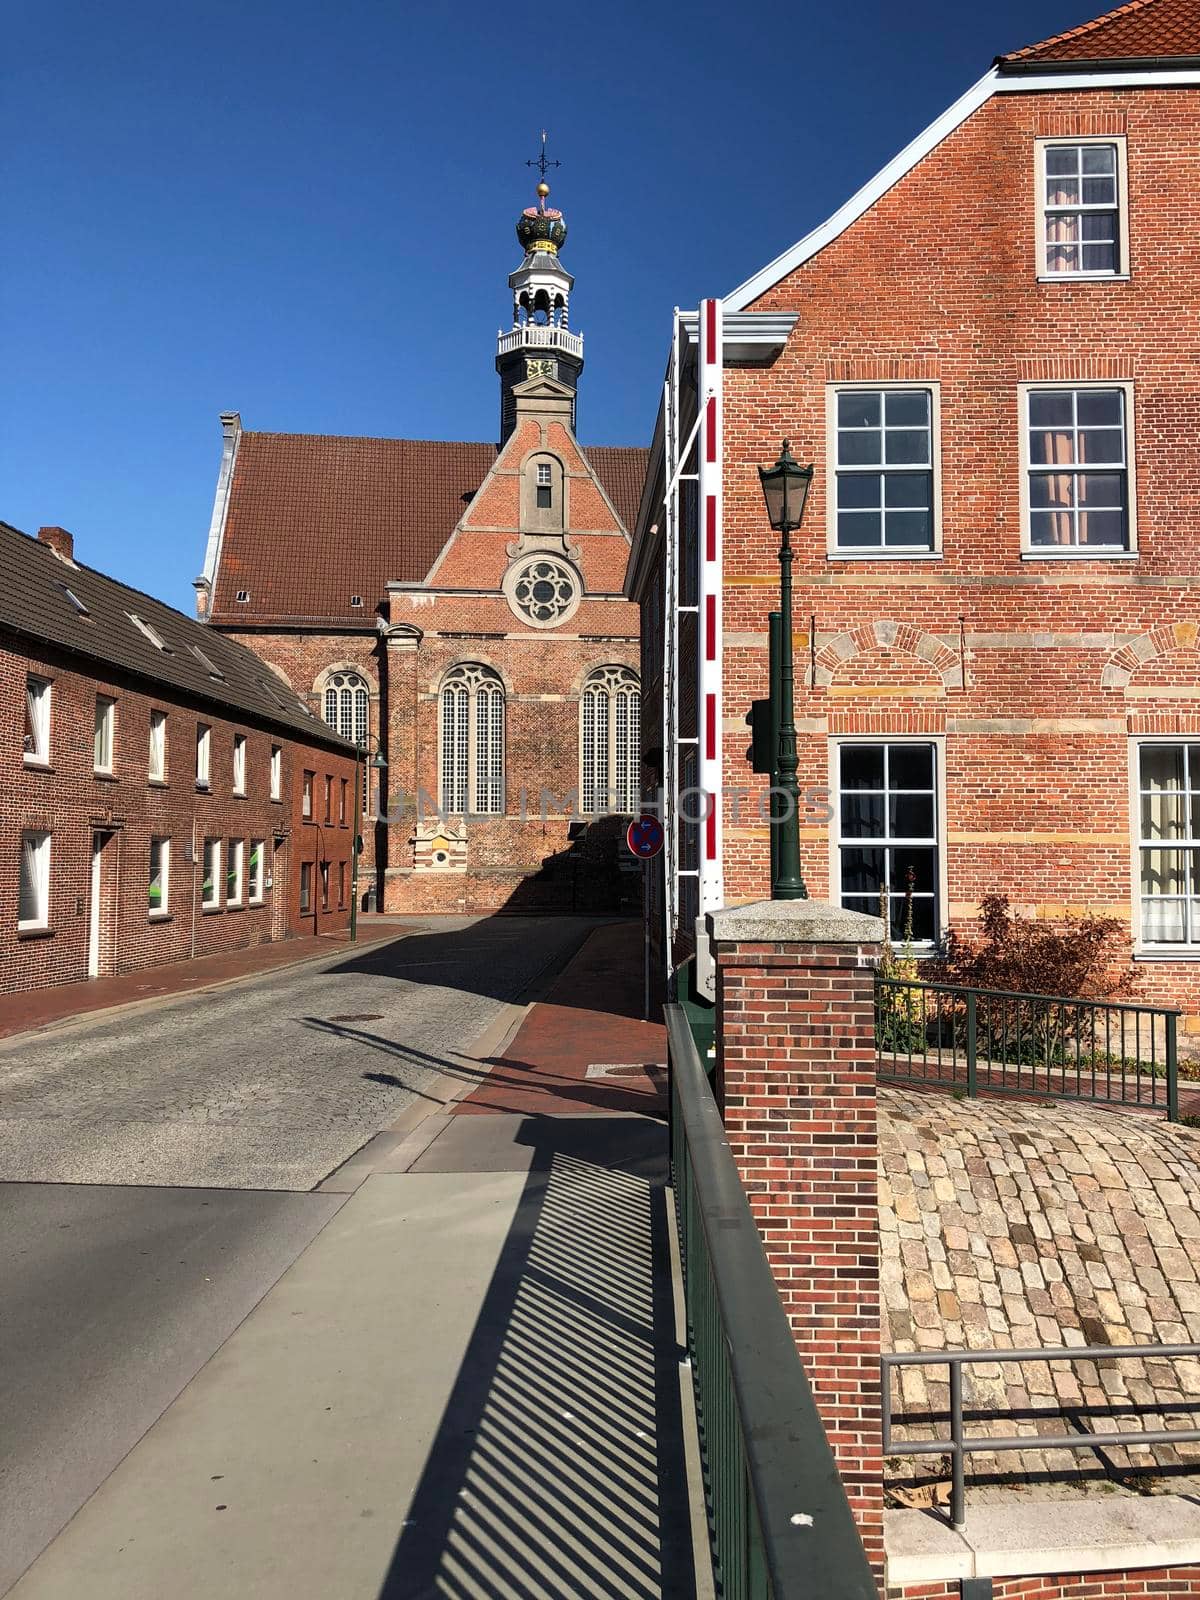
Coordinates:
x,y
540,342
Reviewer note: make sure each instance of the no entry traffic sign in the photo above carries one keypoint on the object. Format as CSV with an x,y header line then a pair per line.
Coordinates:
x,y
644,836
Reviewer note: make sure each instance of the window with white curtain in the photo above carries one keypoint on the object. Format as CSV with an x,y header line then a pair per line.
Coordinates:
x,y
472,741
1078,468
33,909
609,741
1081,183
37,720
102,747
239,763
160,876
158,746
347,700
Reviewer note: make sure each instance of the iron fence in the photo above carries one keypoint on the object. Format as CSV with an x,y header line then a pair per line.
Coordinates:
x,y
780,1523
958,1446
1000,1042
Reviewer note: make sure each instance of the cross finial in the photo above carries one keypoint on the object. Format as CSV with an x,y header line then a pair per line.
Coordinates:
x,y
542,161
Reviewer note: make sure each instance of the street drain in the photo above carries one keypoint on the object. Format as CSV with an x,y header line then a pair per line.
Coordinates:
x,y
359,1016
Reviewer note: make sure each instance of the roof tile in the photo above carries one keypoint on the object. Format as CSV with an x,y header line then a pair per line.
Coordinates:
x,y
1140,30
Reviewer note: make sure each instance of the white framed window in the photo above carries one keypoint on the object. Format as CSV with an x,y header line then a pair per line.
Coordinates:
x,y
234,879
33,908
347,706
203,754
102,747
545,485
210,882
342,793
276,772
1167,845
306,886
257,849
239,763
324,886
472,741
883,447
306,796
160,877
1082,206
1078,493
609,750
158,747
887,833
37,721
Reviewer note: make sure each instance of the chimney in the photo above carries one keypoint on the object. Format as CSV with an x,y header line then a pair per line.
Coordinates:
x,y
59,540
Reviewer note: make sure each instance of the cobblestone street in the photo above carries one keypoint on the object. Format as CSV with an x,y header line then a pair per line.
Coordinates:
x,y
1019,1225
270,1084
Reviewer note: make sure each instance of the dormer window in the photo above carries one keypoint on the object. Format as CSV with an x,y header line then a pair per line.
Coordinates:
x,y
545,486
1081,185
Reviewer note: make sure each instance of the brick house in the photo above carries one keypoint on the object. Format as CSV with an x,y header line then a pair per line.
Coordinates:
x,y
457,606
164,794
990,354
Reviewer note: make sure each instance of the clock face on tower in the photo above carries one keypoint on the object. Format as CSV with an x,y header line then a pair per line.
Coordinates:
x,y
540,367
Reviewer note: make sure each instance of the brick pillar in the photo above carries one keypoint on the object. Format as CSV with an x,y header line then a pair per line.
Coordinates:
x,y
796,1083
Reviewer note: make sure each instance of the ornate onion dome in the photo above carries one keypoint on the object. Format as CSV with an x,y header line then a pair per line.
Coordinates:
x,y
540,227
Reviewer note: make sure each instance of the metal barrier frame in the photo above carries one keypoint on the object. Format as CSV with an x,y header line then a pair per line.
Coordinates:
x,y
959,1448
779,1520
1091,1084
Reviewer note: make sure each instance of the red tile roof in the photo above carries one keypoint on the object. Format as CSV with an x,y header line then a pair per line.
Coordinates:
x,y
1142,30
314,519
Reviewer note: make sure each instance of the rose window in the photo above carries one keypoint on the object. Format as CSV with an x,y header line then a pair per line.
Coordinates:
x,y
544,592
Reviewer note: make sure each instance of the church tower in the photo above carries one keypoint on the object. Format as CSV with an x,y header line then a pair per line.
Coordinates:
x,y
540,343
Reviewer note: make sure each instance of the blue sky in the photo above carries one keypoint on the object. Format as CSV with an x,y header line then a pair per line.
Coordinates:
x,y
305,212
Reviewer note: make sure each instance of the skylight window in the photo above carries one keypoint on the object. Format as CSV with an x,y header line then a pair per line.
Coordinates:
x,y
155,638
356,599
75,600
210,667
243,595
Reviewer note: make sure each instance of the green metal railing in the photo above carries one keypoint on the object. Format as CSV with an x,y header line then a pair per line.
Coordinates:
x,y
994,1041
780,1522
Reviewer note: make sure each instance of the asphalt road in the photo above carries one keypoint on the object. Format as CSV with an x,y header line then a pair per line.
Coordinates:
x,y
138,1156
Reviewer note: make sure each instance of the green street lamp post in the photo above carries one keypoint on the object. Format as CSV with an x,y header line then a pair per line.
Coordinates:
x,y
376,764
785,489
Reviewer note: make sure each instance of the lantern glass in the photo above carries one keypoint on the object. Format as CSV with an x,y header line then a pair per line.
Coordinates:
x,y
785,490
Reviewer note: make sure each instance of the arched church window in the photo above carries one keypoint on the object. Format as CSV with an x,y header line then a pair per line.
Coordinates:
x,y
346,702
609,741
472,741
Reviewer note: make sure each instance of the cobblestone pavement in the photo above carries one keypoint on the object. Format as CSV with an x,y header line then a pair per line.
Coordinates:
x,y
1016,1225
273,1083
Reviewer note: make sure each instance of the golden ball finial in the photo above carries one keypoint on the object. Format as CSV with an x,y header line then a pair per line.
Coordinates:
x,y
543,189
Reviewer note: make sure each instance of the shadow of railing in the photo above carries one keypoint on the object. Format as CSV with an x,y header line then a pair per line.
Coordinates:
x,y
557,1470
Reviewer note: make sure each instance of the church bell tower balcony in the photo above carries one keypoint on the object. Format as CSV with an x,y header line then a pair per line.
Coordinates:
x,y
536,336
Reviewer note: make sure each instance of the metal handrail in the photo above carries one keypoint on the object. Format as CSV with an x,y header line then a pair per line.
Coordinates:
x,y
959,1448
778,1514
1017,994
1086,1049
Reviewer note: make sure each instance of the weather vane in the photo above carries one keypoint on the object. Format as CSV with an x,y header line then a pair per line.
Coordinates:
x,y
542,162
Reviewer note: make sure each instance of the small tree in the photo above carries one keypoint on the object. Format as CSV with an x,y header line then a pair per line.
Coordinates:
x,y
900,1015
1082,959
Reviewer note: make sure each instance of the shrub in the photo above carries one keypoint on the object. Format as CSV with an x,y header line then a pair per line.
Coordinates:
x,y
1084,958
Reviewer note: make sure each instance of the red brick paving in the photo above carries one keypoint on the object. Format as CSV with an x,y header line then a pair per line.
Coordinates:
x,y
39,1007
592,1014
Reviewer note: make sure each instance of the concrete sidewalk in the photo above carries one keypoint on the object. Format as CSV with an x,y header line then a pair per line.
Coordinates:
x,y
468,1385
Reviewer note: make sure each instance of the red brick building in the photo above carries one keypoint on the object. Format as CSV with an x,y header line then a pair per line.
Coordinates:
x,y
154,777
457,608
990,354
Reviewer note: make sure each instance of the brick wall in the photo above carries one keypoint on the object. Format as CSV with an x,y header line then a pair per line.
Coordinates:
x,y
123,812
1158,1583
796,1084
1035,672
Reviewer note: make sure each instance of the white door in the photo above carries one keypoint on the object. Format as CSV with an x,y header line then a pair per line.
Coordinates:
x,y
94,909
